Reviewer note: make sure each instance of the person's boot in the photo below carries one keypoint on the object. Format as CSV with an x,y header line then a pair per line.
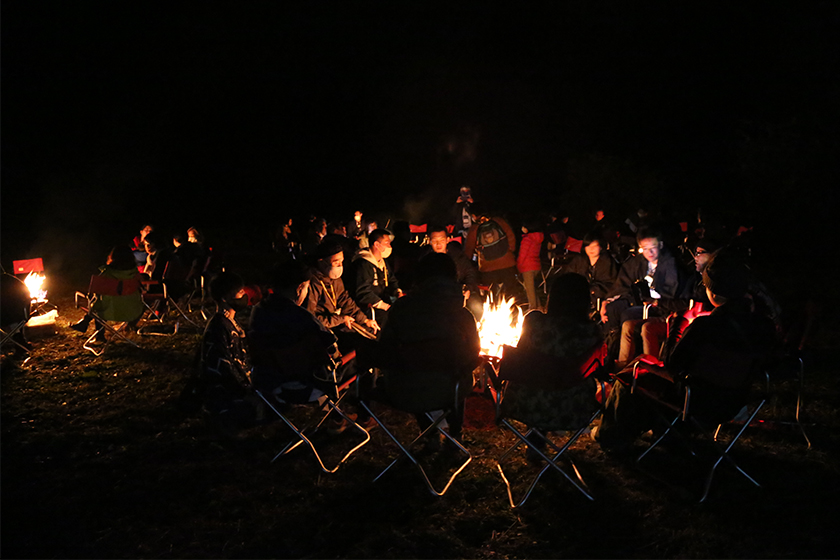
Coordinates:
x,y
100,336
81,326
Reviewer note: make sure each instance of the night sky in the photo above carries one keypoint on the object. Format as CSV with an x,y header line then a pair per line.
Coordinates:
x,y
230,115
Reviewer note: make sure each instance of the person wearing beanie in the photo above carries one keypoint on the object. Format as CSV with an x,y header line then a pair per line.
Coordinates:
x,y
329,301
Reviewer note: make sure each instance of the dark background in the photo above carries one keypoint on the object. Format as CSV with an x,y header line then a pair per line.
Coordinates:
x,y
226,116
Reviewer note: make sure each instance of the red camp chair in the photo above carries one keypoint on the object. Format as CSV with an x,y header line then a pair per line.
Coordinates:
x,y
574,245
105,286
28,265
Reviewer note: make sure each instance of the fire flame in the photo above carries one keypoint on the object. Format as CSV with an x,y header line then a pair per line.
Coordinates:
x,y
499,325
34,282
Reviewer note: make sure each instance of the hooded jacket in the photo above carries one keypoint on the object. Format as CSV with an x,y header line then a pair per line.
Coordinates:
x,y
375,281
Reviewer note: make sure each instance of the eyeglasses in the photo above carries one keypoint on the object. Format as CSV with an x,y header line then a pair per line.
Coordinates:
x,y
648,249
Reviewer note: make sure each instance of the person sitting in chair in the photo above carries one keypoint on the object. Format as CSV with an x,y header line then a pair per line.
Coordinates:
x,y
330,302
120,266
376,285
224,362
717,352
563,331
435,341
292,351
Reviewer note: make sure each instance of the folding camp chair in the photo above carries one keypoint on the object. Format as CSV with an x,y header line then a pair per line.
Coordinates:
x,y
174,287
788,363
545,373
198,291
110,287
329,394
439,396
7,335
686,416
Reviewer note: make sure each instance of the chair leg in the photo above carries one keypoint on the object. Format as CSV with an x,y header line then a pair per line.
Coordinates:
x,y
435,426
801,383
303,438
551,462
724,453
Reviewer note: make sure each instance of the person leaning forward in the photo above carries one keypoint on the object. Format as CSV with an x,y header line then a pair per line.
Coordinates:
x,y
327,299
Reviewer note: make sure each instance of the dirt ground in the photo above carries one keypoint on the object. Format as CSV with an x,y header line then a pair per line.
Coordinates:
x,y
98,461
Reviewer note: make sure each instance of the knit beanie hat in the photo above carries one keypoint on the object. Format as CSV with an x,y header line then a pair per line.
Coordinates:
x,y
726,276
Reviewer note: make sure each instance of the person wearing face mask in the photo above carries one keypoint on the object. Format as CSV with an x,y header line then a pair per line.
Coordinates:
x,y
290,349
376,284
224,362
329,301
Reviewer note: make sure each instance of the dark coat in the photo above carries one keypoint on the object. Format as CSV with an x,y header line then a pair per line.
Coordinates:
x,y
667,280
601,277
373,284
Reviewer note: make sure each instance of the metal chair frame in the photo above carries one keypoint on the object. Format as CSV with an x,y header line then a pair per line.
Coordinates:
x,y
152,310
119,332
684,415
435,427
553,461
301,433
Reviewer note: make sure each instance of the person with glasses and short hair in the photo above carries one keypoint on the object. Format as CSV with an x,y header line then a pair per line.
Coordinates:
x,y
647,288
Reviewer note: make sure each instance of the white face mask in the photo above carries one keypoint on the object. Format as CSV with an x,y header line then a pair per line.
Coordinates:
x,y
335,272
385,252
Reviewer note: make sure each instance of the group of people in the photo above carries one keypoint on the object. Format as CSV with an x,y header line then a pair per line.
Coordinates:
x,y
144,262
408,304
341,291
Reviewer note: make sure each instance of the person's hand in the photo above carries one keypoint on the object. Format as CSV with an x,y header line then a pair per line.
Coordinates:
x,y
382,305
604,310
372,325
348,321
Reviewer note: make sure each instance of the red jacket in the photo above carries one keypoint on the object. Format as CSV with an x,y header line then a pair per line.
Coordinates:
x,y
529,252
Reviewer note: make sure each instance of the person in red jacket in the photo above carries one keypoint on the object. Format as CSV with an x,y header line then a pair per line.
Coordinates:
x,y
528,262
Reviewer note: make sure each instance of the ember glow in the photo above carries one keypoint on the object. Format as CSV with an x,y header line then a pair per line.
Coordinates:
x,y
35,282
499,325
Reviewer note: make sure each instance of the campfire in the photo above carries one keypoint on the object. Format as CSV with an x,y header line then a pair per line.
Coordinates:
x,y
499,325
35,283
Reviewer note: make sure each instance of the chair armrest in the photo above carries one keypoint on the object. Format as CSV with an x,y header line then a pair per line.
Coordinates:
x,y
87,299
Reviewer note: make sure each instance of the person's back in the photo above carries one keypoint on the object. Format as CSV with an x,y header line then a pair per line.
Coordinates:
x,y
287,343
564,331
123,307
436,340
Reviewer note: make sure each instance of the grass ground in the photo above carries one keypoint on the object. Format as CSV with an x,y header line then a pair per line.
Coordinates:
x,y
98,461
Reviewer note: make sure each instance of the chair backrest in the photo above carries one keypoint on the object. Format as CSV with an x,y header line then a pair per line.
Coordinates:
x,y
574,245
107,286
543,371
28,265
176,270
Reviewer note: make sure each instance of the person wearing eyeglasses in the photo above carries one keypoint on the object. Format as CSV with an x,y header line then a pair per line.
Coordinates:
x,y
647,288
